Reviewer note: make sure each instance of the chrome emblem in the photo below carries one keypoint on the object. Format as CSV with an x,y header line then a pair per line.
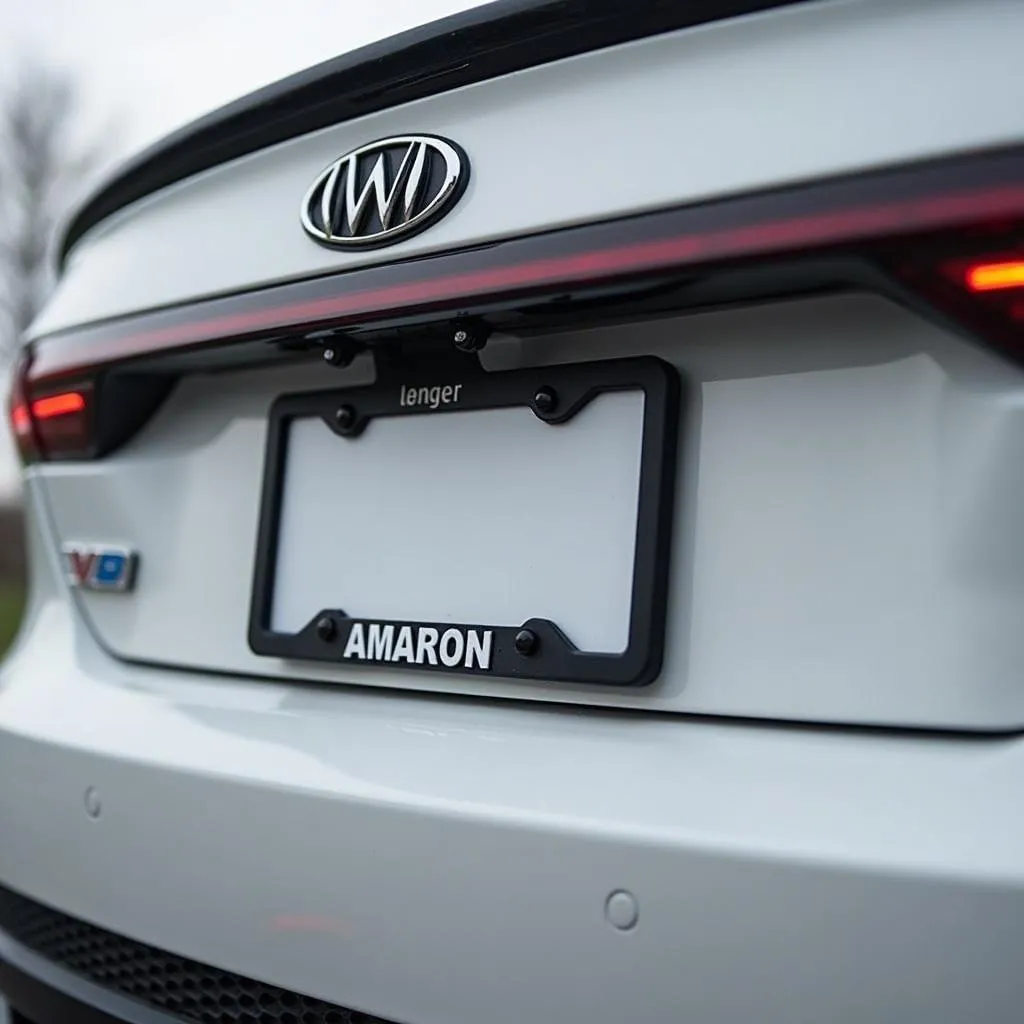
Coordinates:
x,y
100,566
385,191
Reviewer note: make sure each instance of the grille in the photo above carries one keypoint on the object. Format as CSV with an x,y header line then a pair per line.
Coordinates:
x,y
190,990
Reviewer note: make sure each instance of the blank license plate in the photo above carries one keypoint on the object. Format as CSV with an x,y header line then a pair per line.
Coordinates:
x,y
513,524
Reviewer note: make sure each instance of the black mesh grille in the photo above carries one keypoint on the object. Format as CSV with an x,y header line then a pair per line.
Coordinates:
x,y
190,990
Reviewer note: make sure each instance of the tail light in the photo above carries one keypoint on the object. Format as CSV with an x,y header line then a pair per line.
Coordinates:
x,y
995,277
64,419
974,274
20,413
62,422
55,423
998,283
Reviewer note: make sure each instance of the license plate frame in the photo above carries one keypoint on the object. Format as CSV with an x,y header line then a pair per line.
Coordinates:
x,y
551,657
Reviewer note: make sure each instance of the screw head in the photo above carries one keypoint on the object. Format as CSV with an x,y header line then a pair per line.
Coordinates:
x,y
339,357
470,337
545,401
526,642
345,417
326,629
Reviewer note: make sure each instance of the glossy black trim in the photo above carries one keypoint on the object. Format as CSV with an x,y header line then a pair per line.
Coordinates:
x,y
553,657
484,42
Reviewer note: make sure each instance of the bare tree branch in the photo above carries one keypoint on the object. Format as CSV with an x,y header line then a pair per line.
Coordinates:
x,y
40,167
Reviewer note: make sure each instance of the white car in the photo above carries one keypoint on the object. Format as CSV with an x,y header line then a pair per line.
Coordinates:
x,y
525,525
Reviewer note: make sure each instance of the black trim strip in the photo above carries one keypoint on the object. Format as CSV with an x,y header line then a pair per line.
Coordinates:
x,y
803,220
478,44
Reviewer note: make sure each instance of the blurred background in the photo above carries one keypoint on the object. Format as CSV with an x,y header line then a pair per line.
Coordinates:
x,y
83,84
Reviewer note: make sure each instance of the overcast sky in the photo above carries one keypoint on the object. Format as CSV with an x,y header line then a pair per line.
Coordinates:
x,y
148,67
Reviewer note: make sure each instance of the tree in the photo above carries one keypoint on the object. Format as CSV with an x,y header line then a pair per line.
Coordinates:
x,y
41,170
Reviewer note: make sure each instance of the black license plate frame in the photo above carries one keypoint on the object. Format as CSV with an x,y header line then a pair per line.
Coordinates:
x,y
536,649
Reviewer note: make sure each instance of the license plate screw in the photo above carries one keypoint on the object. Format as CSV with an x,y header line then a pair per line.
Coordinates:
x,y
526,642
470,335
545,401
345,417
337,357
326,629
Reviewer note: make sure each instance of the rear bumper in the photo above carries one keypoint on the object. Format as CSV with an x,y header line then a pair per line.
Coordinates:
x,y
432,860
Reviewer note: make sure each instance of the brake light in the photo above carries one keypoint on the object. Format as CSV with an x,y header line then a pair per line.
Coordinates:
x,y
63,425
50,426
20,420
20,413
64,404
988,277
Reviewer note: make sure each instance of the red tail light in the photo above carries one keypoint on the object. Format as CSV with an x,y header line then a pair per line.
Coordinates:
x,y
66,404
20,413
50,426
21,421
973,274
990,277
63,423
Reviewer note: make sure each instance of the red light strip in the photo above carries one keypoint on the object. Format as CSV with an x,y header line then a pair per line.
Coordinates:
x,y
842,216
20,420
57,405
990,277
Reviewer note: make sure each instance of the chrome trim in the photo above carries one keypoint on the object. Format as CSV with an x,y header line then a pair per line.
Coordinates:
x,y
402,206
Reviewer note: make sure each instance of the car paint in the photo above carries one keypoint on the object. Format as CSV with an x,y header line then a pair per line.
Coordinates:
x,y
448,858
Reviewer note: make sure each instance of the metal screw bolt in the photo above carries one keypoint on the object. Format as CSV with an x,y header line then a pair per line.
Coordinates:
x,y
526,642
326,629
470,337
545,401
339,357
345,417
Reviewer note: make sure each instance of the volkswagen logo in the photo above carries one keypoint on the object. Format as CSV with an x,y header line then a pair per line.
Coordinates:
x,y
385,191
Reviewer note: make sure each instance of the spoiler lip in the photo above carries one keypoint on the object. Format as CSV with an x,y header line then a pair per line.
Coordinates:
x,y
481,43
